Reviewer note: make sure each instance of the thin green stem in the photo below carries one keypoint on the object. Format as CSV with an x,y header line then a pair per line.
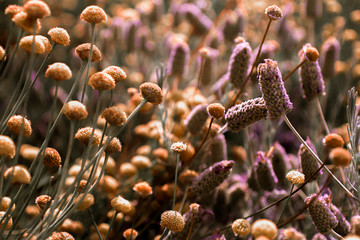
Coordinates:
x,y
176,176
318,106
2,165
286,203
111,225
11,33
94,223
89,61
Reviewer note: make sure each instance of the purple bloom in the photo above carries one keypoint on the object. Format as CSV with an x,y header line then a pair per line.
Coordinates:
x,y
245,114
312,83
272,87
218,148
233,25
179,58
308,163
239,64
209,68
200,22
196,119
280,163
330,54
264,172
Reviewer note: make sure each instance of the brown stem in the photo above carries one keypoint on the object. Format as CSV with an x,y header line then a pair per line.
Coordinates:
x,y
192,223
201,70
318,106
203,141
294,70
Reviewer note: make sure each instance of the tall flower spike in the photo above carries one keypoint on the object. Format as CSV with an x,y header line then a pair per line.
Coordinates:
x,y
330,53
265,173
308,163
239,64
272,87
196,119
312,83
211,178
200,22
321,214
179,58
245,114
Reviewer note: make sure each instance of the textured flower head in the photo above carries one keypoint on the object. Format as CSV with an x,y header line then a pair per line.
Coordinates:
x,y
272,87
178,147
295,177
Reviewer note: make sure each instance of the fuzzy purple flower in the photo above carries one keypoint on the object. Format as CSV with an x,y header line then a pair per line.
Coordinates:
x,y
196,119
280,162
233,25
308,163
330,53
179,58
264,172
272,87
211,178
312,83
200,22
245,114
218,148
129,33
239,64
321,214
209,68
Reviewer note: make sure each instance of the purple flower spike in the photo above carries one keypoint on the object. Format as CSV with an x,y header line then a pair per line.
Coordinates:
x,y
272,87
196,119
200,22
265,173
308,163
179,58
312,83
330,53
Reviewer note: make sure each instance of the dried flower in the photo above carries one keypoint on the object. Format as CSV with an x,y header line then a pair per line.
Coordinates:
x,y
143,189
320,213
9,223
86,201
46,42
312,83
93,14
295,177
12,10
330,54
178,147
7,146
101,81
172,220
58,72
216,110
239,64
16,122
84,135
36,9
27,42
25,22
120,204
74,110
59,36
52,158
308,163
187,176
343,226
151,92
19,174
114,116
83,52
273,12
178,60
272,87
114,146
245,114
130,234
218,149
42,200
264,173
196,119
333,140
264,227
61,236
340,157
140,162
116,72
291,234
128,170
241,227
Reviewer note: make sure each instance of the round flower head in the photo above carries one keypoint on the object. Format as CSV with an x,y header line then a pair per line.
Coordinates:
x,y
172,220
178,60
101,81
15,124
130,234
58,72
19,174
5,204
264,227
7,147
143,189
151,92
84,135
333,140
120,204
178,147
241,227
9,223
216,110
61,236
340,157
86,201
114,146
93,14
114,116
27,42
116,72
295,177
2,53
273,12
74,110
52,158
36,9
83,52
12,10
311,54
59,36
46,43
42,200
272,87
26,23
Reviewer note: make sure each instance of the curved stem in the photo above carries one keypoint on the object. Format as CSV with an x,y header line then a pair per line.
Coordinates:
x,y
294,70
318,106
286,203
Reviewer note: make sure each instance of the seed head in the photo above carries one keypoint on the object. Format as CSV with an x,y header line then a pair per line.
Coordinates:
x,y
178,147
130,234
26,44
59,36
15,124
272,87
7,147
52,158
141,162
58,72
151,92
340,157
333,140
5,204
308,163
29,152
9,223
84,135
311,54
25,22
273,12
61,236
172,220
120,204
128,170
295,177
46,43
114,116
36,9
102,81
83,52
216,110
12,10
241,227
114,145
42,200
245,114
116,72
143,189
264,227
86,202
19,174
74,110
93,14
